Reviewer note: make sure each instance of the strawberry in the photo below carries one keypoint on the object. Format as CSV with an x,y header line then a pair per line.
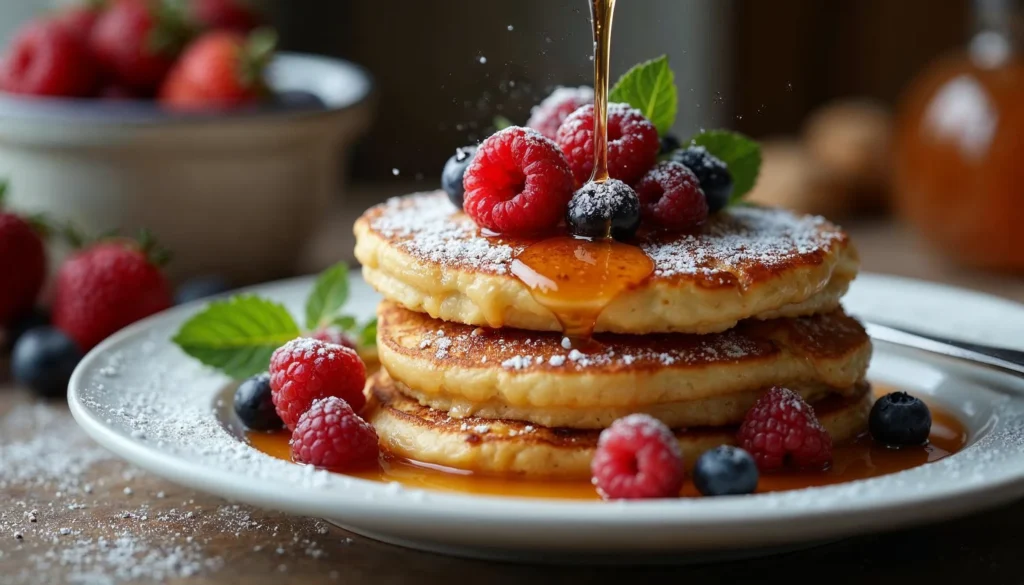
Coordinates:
x,y
137,41
22,265
108,286
79,19
46,59
220,69
224,14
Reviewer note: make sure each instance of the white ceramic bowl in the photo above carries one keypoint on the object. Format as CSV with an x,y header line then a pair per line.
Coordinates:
x,y
233,193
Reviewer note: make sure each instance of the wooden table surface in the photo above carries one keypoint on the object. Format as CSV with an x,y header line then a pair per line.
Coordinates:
x,y
98,520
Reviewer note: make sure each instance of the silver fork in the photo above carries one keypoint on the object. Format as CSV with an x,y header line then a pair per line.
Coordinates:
x,y
1000,358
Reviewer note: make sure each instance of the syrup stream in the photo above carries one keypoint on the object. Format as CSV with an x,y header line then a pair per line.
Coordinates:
x,y
601,14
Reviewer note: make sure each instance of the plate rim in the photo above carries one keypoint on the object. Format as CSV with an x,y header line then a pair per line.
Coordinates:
x,y
720,513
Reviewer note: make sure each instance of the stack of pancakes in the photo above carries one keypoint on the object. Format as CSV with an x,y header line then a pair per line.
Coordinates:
x,y
477,374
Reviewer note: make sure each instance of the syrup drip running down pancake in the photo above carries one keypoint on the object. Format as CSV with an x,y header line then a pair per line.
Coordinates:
x,y
746,262
682,379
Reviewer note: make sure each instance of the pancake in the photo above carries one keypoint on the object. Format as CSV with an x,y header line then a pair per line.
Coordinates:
x,y
746,262
530,371
728,409
507,447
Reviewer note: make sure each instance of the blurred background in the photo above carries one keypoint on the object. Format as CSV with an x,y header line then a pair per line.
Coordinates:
x,y
900,119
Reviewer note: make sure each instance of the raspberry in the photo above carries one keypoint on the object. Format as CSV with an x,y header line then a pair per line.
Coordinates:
x,y
547,116
637,457
633,143
331,434
782,429
518,183
670,196
304,370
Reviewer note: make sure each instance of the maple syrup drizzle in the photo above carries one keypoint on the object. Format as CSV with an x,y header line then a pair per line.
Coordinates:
x,y
576,279
861,458
601,15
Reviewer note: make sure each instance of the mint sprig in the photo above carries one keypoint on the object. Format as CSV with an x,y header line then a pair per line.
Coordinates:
x,y
741,154
651,88
329,293
237,336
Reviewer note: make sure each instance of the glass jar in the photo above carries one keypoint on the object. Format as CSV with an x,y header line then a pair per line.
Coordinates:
x,y
960,145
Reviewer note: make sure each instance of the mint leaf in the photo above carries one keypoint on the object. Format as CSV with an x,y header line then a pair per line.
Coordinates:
x,y
368,335
651,88
329,293
741,154
501,122
237,336
345,322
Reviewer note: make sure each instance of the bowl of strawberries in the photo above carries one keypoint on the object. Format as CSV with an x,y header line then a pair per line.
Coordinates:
x,y
182,117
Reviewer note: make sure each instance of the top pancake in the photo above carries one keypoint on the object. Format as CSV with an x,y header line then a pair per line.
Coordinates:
x,y
746,262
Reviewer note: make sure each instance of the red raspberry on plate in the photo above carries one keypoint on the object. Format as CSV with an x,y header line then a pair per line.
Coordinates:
x,y
45,58
633,143
107,287
670,196
331,434
547,116
304,370
637,457
781,429
518,183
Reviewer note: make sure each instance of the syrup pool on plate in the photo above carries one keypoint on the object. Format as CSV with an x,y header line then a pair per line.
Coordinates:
x,y
862,458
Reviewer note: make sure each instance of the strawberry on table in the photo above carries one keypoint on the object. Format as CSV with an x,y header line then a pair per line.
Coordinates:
x,y
46,59
232,15
107,287
221,69
137,41
22,265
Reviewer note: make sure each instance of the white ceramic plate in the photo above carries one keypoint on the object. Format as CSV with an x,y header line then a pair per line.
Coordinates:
x,y
139,396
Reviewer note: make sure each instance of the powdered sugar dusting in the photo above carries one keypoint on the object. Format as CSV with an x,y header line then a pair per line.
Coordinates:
x,y
428,227
521,351
728,246
59,523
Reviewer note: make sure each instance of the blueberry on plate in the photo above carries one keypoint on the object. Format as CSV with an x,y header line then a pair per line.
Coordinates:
x,y
669,144
725,471
254,405
43,360
899,419
713,174
600,210
200,288
454,170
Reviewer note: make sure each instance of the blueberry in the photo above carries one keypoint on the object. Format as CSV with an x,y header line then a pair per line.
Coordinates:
x,y
725,471
599,210
200,288
454,170
713,174
899,419
254,406
43,360
35,318
669,144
